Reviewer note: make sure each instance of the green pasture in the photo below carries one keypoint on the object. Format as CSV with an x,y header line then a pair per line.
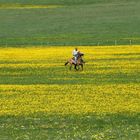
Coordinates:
x,y
63,2
81,22
41,99
76,127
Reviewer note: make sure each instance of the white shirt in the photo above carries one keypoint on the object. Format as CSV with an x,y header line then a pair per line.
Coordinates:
x,y
74,52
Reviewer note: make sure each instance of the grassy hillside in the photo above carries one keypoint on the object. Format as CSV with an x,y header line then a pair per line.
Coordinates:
x,y
75,23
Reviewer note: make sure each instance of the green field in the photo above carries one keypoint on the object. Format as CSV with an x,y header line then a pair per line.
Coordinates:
x,y
41,99
75,22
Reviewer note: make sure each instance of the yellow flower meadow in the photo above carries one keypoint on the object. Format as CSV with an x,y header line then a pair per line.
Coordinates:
x,y
34,80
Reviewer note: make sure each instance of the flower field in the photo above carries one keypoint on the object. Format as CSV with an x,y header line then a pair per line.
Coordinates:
x,y
42,99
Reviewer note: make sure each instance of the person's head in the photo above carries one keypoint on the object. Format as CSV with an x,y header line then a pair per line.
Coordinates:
x,y
76,49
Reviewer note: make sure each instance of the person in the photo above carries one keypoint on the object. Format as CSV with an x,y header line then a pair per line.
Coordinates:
x,y
75,54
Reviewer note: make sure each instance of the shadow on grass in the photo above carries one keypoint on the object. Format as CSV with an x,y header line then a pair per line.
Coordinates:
x,y
74,78
121,126
117,59
127,54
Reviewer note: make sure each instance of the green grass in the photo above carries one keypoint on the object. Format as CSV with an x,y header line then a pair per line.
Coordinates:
x,y
83,127
40,99
97,23
63,2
